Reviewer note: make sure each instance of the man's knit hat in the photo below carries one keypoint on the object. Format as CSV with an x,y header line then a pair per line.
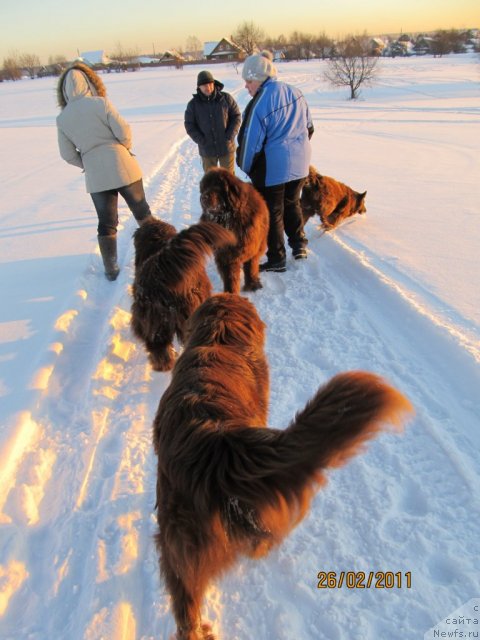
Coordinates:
x,y
259,67
204,77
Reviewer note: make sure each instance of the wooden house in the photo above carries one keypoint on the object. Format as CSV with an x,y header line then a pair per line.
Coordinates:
x,y
224,50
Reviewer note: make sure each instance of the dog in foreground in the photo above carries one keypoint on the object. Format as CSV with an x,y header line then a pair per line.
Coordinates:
x,y
226,484
170,282
333,201
238,206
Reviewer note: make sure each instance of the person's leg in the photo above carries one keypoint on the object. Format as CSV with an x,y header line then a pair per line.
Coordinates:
x,y
208,163
293,219
274,197
106,206
228,162
134,196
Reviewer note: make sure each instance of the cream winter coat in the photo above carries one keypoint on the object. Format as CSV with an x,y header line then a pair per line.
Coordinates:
x,y
92,134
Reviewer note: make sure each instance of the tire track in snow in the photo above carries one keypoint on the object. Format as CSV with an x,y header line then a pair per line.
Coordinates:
x,y
82,323
106,450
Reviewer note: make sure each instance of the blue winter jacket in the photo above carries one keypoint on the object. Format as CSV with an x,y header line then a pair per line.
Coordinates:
x,y
277,124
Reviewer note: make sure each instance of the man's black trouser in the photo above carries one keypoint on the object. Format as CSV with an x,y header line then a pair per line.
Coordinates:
x,y
283,201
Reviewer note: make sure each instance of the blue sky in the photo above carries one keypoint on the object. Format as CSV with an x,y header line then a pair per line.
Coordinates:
x,y
54,27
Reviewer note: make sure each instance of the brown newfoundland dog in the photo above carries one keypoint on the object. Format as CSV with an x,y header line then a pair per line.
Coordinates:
x,y
226,484
333,201
170,282
238,206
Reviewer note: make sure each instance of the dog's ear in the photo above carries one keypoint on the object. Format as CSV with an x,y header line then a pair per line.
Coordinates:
x,y
361,197
203,332
361,208
204,182
232,186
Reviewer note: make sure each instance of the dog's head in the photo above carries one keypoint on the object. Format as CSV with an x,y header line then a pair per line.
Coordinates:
x,y
220,193
150,237
360,202
225,319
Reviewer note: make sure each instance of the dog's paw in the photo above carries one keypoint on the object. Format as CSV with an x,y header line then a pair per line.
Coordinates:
x,y
164,360
207,632
204,632
326,226
255,285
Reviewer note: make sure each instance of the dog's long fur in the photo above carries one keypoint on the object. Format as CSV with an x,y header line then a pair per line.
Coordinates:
x,y
333,201
238,206
227,485
170,282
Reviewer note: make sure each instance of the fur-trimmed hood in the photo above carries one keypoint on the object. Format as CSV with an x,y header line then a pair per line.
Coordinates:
x,y
84,82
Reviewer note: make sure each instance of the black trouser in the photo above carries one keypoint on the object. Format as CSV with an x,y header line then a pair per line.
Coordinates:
x,y
106,205
283,201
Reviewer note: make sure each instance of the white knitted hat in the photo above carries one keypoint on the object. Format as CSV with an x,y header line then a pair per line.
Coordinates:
x,y
259,67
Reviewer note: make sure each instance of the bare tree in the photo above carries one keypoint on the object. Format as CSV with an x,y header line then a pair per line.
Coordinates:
x,y
352,66
30,62
249,37
295,46
307,46
57,59
323,45
445,42
279,43
56,65
11,67
121,54
194,47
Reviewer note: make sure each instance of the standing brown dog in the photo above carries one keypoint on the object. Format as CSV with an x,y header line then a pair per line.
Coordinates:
x,y
236,205
333,201
227,485
170,282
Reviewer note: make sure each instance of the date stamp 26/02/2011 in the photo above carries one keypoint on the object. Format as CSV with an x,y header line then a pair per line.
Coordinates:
x,y
362,580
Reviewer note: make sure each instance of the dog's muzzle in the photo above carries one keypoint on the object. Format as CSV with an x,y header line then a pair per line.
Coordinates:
x,y
207,205
222,218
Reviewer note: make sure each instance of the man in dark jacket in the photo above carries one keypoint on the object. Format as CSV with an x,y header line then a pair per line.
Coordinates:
x,y
212,119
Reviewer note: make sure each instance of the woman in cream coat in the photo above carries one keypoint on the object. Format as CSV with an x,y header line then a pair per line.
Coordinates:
x,y
93,136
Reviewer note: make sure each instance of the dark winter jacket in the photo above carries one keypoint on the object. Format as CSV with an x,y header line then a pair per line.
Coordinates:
x,y
273,142
212,122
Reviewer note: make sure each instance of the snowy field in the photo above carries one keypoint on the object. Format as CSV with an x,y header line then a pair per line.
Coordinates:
x,y
395,292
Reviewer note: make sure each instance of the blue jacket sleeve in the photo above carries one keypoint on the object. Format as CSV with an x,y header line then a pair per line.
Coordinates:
x,y
310,127
253,139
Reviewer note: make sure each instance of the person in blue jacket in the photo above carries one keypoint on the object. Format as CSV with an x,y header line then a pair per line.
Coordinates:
x,y
274,151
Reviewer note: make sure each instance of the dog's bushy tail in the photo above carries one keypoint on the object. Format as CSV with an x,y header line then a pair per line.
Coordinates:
x,y
187,250
267,466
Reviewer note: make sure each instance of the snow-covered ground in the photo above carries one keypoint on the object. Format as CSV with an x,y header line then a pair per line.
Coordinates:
x,y
395,292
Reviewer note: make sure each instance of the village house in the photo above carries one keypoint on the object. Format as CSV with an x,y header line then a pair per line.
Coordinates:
x,y
93,58
224,50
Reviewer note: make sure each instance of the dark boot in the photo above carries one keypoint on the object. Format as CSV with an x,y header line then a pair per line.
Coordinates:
x,y
108,249
299,253
280,266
